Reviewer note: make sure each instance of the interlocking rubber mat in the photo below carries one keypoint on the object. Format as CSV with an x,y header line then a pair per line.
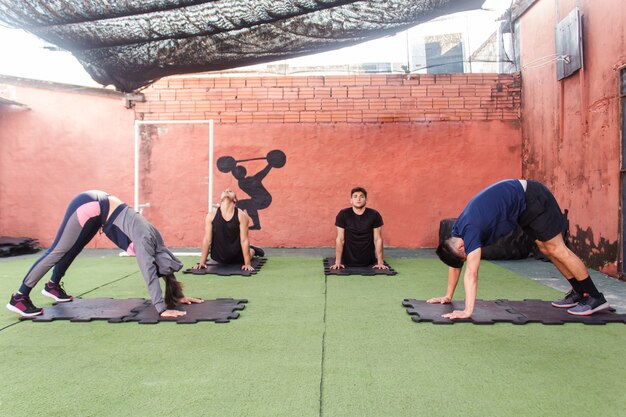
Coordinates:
x,y
215,268
516,312
539,311
88,309
221,310
355,270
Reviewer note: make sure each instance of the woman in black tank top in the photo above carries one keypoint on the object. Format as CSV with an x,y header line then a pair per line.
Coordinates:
x,y
226,242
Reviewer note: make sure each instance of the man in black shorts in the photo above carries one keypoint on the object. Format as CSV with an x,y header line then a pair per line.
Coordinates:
x,y
359,234
496,211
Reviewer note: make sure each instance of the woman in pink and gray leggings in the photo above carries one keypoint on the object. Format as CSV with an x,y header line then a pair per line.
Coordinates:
x,y
86,214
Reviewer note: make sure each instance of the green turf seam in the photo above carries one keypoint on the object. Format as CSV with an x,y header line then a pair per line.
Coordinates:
x,y
108,283
12,324
323,348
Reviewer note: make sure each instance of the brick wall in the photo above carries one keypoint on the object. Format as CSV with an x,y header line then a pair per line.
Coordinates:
x,y
343,99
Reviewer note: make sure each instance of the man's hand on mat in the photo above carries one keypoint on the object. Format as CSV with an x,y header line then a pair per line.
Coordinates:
x,y
173,313
439,300
337,266
380,266
457,314
190,300
199,265
247,268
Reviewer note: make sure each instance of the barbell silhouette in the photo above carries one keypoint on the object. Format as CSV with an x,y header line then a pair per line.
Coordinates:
x,y
275,159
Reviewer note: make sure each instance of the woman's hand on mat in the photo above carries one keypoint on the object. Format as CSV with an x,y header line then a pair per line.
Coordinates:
x,y
439,300
247,268
380,266
199,265
457,314
172,313
190,300
337,266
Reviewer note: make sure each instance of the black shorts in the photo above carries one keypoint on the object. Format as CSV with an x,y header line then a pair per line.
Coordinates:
x,y
542,220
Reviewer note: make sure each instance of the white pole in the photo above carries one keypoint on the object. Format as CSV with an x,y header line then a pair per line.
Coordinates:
x,y
210,165
136,190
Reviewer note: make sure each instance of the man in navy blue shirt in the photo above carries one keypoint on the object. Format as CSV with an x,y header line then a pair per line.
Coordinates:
x,y
493,213
359,239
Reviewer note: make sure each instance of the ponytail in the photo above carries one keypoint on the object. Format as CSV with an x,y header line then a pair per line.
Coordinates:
x,y
173,291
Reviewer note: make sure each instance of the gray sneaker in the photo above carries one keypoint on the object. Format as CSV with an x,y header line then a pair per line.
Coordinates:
x,y
589,305
571,299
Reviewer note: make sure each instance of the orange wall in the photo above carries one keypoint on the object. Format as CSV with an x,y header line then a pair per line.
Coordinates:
x,y
422,146
64,143
411,171
571,128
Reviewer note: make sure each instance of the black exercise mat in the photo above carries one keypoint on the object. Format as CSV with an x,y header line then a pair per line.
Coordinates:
x,y
516,312
221,310
13,246
355,270
87,309
215,268
485,312
540,311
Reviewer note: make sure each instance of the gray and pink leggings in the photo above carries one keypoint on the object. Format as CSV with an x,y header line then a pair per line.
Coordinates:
x,y
85,215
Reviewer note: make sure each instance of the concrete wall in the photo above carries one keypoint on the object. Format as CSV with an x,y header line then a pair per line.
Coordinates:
x,y
571,128
421,145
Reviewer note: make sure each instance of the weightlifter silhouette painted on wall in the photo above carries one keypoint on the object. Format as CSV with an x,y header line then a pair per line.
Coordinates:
x,y
252,185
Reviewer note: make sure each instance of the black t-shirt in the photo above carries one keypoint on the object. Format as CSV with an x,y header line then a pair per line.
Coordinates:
x,y
226,242
358,247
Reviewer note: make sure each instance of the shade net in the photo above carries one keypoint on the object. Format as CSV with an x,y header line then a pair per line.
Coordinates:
x,y
132,43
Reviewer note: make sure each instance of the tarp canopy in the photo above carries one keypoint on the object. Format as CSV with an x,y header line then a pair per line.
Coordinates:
x,y
132,43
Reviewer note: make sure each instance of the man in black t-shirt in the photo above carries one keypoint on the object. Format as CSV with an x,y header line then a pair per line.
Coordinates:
x,y
359,234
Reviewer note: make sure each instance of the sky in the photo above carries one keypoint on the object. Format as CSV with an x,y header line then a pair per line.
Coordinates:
x,y
24,55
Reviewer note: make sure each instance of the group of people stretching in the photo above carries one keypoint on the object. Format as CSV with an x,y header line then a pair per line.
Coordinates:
x,y
492,213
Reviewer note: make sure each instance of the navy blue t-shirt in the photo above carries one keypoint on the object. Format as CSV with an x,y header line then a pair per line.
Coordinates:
x,y
358,246
491,214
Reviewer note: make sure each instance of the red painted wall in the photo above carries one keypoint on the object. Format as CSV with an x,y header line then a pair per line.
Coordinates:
x,y
421,145
571,128
63,143
412,172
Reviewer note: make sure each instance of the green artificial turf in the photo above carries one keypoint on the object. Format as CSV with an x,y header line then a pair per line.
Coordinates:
x,y
300,328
